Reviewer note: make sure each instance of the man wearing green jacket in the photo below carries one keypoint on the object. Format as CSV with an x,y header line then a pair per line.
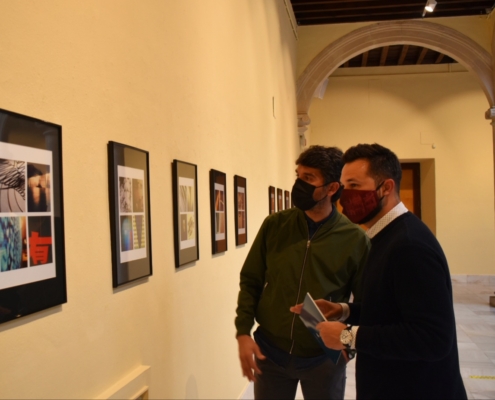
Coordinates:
x,y
312,248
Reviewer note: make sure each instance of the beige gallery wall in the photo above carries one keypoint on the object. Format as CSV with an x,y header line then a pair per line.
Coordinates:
x,y
408,109
426,115
192,80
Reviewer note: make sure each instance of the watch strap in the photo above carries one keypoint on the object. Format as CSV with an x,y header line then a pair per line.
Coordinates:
x,y
351,353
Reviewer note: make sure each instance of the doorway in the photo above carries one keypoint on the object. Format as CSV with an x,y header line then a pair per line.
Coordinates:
x,y
410,187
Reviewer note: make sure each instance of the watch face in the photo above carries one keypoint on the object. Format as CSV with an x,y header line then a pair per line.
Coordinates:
x,y
346,337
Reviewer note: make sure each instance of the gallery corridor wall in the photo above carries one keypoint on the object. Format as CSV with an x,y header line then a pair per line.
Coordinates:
x,y
207,82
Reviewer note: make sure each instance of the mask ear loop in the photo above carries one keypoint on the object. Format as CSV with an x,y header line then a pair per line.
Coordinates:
x,y
317,187
378,188
325,184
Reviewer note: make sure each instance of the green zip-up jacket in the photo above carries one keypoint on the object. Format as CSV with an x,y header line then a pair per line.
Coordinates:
x,y
284,264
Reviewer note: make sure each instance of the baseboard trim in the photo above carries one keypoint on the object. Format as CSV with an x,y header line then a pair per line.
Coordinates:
x,y
478,279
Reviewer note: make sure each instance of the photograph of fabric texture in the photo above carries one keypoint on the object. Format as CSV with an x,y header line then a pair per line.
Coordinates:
x,y
13,249
12,186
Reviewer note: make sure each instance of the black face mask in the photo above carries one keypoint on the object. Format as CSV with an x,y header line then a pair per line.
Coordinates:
x,y
302,195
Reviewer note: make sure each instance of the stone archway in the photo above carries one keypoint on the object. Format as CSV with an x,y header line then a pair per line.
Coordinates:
x,y
420,33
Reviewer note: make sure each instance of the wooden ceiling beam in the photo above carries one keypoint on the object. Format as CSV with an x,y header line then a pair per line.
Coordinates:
x,y
364,60
383,57
403,54
439,58
398,14
311,12
422,55
349,4
406,55
470,8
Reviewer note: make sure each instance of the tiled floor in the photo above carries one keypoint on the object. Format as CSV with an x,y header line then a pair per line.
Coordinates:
x,y
475,321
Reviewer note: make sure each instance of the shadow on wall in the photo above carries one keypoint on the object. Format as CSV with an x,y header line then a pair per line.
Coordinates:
x,y
191,388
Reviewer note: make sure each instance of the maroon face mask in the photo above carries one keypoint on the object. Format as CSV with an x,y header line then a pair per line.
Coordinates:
x,y
361,206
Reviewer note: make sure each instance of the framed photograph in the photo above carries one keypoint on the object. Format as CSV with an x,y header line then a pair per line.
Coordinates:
x,y
185,192
287,199
130,218
280,200
32,249
218,211
240,205
271,200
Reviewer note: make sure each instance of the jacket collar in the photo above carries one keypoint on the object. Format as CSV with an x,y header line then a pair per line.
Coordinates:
x,y
323,225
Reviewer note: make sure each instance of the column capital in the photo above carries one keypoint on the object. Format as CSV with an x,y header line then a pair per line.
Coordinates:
x,y
303,121
490,114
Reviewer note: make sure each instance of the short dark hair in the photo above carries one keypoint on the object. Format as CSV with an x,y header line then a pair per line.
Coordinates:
x,y
383,163
326,159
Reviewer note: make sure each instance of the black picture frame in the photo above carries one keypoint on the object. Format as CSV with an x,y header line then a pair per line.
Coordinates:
x,y
271,200
287,199
240,206
218,211
130,213
32,252
280,200
185,202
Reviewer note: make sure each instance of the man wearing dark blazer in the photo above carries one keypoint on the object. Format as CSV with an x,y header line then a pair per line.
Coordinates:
x,y
404,329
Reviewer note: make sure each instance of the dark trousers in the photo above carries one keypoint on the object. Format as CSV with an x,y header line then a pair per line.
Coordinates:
x,y
323,381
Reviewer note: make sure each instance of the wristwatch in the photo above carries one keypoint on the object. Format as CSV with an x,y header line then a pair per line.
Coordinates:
x,y
346,338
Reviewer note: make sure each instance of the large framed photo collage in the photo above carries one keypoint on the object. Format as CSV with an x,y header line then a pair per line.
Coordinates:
x,y
32,249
